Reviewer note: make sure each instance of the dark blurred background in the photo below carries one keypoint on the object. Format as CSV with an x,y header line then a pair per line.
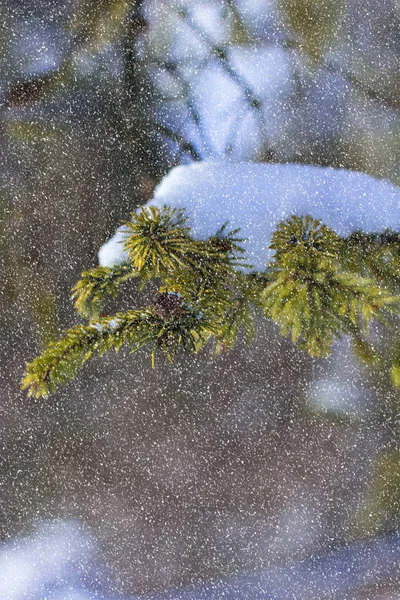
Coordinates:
x,y
215,465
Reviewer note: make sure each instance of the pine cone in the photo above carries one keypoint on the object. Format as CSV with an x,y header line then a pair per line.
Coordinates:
x,y
168,305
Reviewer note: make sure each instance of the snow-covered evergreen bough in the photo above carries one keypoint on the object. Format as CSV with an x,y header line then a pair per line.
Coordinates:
x,y
314,249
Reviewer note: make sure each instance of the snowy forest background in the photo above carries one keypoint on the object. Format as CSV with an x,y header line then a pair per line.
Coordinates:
x,y
209,467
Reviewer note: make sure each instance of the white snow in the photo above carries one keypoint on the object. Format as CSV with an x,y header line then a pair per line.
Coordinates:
x,y
47,565
108,325
112,252
256,197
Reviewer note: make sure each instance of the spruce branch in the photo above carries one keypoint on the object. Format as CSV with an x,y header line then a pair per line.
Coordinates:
x,y
239,313
61,361
374,255
311,297
157,241
159,245
96,284
318,287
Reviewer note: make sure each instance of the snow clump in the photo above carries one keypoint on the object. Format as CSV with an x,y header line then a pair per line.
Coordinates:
x,y
255,197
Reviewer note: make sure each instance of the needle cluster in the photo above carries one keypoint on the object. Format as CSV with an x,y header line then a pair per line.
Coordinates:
x,y
319,286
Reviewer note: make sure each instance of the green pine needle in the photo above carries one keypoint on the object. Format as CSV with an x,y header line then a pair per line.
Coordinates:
x,y
311,297
61,361
157,241
96,285
318,287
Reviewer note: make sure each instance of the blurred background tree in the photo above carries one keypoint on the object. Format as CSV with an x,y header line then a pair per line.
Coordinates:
x,y
207,468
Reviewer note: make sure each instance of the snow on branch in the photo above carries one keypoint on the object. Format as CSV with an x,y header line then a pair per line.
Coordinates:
x,y
255,197
316,250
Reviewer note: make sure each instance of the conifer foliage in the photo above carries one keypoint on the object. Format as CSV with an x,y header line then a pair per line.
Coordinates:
x,y
317,287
